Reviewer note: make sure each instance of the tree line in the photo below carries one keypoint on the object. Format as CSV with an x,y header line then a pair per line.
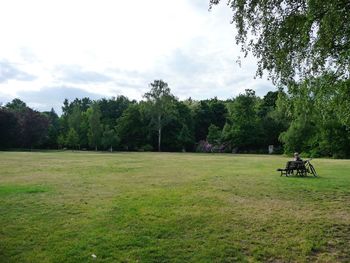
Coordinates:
x,y
301,119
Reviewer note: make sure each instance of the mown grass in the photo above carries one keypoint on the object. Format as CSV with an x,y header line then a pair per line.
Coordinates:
x,y
150,207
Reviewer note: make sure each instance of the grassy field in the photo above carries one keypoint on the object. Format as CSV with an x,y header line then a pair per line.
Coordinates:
x,y
150,207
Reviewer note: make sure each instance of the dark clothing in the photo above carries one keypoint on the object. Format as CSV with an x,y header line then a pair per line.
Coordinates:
x,y
297,158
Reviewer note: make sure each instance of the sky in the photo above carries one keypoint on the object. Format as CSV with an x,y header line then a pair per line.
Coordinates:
x,y
56,49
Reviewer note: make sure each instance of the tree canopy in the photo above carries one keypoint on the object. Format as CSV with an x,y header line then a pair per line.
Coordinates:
x,y
294,40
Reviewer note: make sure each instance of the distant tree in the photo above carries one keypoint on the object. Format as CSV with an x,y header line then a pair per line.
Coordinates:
x,y
273,122
83,104
61,141
269,100
65,107
84,129
95,127
33,127
9,129
244,127
74,118
208,112
132,128
202,120
109,138
178,132
72,139
54,128
218,112
112,109
16,105
214,135
64,127
185,138
160,102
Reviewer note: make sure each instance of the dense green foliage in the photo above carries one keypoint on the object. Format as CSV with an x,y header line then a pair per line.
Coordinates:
x,y
294,39
20,126
318,124
305,47
95,127
306,119
243,128
170,207
159,122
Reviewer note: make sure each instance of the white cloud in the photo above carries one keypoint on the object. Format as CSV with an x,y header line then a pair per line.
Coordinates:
x,y
112,47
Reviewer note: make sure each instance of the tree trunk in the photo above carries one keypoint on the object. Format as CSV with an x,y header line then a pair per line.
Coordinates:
x,y
159,138
159,133
96,148
111,148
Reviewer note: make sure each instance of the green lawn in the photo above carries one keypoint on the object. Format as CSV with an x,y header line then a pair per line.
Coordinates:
x,y
150,207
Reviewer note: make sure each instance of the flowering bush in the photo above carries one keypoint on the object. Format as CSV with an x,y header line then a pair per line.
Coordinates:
x,y
204,147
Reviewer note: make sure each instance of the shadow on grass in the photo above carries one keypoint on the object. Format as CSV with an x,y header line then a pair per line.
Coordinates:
x,y
21,189
303,177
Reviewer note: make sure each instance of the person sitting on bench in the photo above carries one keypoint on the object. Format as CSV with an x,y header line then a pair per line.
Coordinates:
x,y
297,157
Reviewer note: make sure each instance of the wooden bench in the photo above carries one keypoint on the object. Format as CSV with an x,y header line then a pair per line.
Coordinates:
x,y
294,166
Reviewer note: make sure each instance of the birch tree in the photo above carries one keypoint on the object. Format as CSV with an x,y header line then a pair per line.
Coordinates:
x,y
159,99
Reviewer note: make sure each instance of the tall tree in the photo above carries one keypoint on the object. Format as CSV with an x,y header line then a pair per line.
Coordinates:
x,y
243,129
218,112
95,127
72,139
84,129
160,101
185,138
9,130
132,128
272,121
208,112
61,141
202,120
112,109
74,118
109,138
54,127
34,127
178,133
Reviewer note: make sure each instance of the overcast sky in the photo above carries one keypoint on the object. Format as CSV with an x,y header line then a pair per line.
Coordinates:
x,y
56,49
